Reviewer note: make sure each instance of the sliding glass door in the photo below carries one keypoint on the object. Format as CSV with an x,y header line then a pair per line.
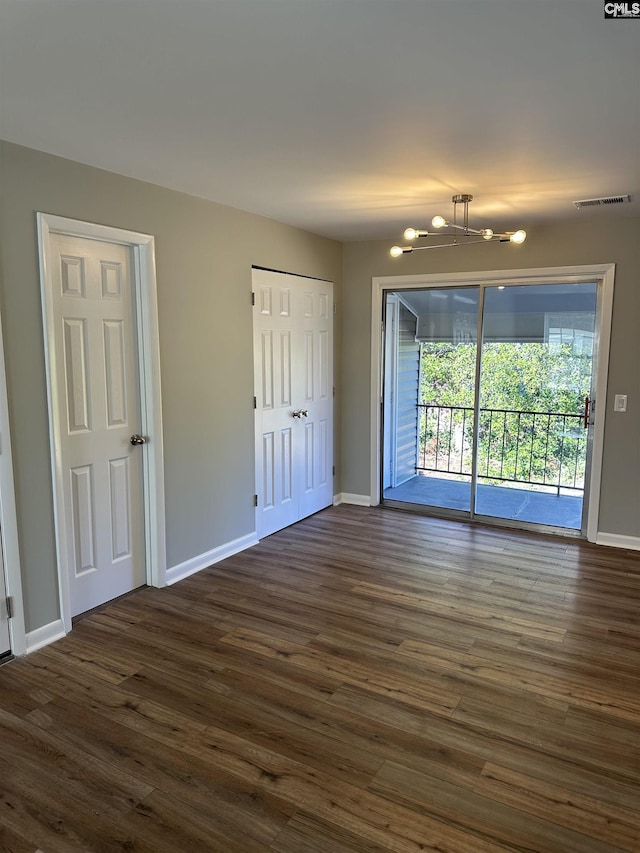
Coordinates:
x,y
487,399
535,376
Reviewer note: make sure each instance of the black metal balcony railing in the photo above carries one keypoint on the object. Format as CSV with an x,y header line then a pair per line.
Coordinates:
x,y
537,448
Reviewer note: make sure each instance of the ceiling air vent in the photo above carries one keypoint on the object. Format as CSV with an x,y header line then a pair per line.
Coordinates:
x,y
600,202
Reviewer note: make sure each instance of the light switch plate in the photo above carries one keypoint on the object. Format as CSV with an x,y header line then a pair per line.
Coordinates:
x,y
620,404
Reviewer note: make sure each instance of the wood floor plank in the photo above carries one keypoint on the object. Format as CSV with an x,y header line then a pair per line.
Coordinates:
x,y
164,768
448,802
382,679
341,804
166,825
585,815
255,723
612,697
377,739
561,742
53,825
464,612
485,735
365,680
58,811
310,834
20,695
12,842
28,750
140,648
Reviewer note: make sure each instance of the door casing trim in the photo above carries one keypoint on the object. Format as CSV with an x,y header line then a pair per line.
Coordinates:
x,y
602,273
9,521
148,353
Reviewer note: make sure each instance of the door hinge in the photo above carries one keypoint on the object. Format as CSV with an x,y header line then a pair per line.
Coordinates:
x,y
255,500
8,605
255,403
253,298
334,308
334,390
333,470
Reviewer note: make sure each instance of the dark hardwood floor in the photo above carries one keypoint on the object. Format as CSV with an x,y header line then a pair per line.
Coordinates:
x,y
366,680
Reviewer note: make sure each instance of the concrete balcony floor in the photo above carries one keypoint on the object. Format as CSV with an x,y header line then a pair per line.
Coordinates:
x,y
517,504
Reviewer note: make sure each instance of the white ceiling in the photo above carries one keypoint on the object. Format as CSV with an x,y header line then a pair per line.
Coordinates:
x,y
349,118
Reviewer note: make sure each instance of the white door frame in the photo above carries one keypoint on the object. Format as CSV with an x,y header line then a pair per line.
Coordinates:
x,y
9,521
148,354
602,273
390,377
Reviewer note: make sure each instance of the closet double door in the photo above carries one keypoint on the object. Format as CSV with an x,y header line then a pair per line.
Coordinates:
x,y
293,382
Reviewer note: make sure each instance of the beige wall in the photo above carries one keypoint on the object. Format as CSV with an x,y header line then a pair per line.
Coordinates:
x,y
204,254
607,240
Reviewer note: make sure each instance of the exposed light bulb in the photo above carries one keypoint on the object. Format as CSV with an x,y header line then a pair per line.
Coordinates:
x,y
467,235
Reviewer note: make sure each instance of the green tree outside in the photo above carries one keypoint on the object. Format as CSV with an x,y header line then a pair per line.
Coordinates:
x,y
549,380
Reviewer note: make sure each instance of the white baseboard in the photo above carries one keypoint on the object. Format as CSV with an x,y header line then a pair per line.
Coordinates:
x,y
616,540
43,636
356,500
203,561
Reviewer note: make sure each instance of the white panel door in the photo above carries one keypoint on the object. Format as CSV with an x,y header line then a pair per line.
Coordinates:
x,y
98,409
293,358
5,638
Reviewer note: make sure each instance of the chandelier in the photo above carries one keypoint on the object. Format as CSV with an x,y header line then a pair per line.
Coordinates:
x,y
462,234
